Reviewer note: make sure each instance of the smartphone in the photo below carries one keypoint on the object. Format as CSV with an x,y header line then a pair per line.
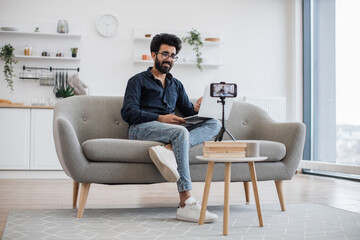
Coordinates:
x,y
223,90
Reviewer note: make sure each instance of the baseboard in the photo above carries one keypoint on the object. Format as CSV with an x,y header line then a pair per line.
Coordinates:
x,y
330,167
33,174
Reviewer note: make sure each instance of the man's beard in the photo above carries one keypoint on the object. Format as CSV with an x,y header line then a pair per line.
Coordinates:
x,y
160,66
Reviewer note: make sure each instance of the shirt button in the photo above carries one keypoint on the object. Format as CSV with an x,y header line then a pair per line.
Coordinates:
x,y
116,122
245,123
84,119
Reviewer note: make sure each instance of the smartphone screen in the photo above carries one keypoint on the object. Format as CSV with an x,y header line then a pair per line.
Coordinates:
x,y
223,90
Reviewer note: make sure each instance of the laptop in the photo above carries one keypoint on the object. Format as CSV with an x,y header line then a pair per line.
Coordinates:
x,y
210,108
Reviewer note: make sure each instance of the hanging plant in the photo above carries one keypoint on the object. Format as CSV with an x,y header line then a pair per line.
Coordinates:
x,y
7,55
194,40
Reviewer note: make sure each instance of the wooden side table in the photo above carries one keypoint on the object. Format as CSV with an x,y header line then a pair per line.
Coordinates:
x,y
209,173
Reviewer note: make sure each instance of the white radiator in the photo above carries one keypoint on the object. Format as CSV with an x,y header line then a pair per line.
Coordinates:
x,y
275,106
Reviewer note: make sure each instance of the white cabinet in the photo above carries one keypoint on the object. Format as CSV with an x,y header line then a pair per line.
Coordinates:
x,y
42,148
26,140
14,138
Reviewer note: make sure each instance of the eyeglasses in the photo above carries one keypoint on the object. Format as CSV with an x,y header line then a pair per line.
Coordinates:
x,y
166,55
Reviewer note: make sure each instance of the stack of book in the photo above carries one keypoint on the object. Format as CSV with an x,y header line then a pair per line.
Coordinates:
x,y
224,149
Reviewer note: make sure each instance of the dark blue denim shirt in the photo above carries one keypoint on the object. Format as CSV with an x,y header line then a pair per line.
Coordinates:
x,y
145,98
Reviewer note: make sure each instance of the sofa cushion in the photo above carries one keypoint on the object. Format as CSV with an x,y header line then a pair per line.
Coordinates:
x,y
137,151
274,151
118,150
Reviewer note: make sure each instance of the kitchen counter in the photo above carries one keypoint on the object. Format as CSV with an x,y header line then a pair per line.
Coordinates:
x,y
25,106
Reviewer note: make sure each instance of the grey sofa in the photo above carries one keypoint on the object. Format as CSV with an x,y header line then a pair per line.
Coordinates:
x,y
92,146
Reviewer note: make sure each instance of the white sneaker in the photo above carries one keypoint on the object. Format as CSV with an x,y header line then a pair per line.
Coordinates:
x,y
191,212
164,160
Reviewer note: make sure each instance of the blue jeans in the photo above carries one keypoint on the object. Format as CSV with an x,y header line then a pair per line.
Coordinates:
x,y
182,139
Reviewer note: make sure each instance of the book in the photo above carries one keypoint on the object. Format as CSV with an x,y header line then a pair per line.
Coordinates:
x,y
241,154
224,149
224,144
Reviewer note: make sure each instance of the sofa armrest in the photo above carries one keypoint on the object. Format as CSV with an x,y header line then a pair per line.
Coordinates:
x,y
291,134
68,149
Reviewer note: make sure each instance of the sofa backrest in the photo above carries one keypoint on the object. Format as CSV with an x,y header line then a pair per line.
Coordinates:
x,y
245,119
99,117
93,116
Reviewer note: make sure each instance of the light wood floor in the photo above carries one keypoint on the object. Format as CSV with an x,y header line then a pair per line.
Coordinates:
x,y
56,194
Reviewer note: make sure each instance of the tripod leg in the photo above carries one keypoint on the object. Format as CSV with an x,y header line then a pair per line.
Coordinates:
x,y
230,135
217,137
220,135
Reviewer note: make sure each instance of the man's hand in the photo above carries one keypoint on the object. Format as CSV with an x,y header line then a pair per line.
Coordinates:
x,y
197,105
171,118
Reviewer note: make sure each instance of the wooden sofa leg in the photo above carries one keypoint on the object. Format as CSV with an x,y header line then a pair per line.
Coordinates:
x,y
247,193
279,189
85,187
75,193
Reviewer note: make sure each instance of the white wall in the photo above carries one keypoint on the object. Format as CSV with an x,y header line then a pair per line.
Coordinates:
x,y
260,53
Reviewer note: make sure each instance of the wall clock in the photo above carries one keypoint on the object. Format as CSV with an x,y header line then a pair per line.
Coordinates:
x,y
107,25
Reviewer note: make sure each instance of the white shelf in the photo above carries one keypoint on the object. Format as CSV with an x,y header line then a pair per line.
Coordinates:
x,y
183,63
206,43
211,51
210,43
61,35
47,58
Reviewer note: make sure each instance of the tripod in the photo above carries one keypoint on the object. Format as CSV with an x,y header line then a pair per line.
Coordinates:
x,y
220,135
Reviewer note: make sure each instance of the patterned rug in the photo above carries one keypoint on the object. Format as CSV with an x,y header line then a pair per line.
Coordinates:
x,y
300,221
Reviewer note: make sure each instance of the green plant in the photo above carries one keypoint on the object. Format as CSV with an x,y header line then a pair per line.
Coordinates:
x,y
7,55
66,92
61,87
194,40
74,50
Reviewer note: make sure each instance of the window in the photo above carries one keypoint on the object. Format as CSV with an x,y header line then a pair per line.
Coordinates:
x,y
332,81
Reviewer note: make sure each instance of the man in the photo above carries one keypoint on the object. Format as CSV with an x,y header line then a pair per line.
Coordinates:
x,y
149,105
222,92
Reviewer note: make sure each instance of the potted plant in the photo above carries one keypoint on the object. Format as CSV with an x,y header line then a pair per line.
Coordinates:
x,y
61,87
74,52
194,40
7,55
65,92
